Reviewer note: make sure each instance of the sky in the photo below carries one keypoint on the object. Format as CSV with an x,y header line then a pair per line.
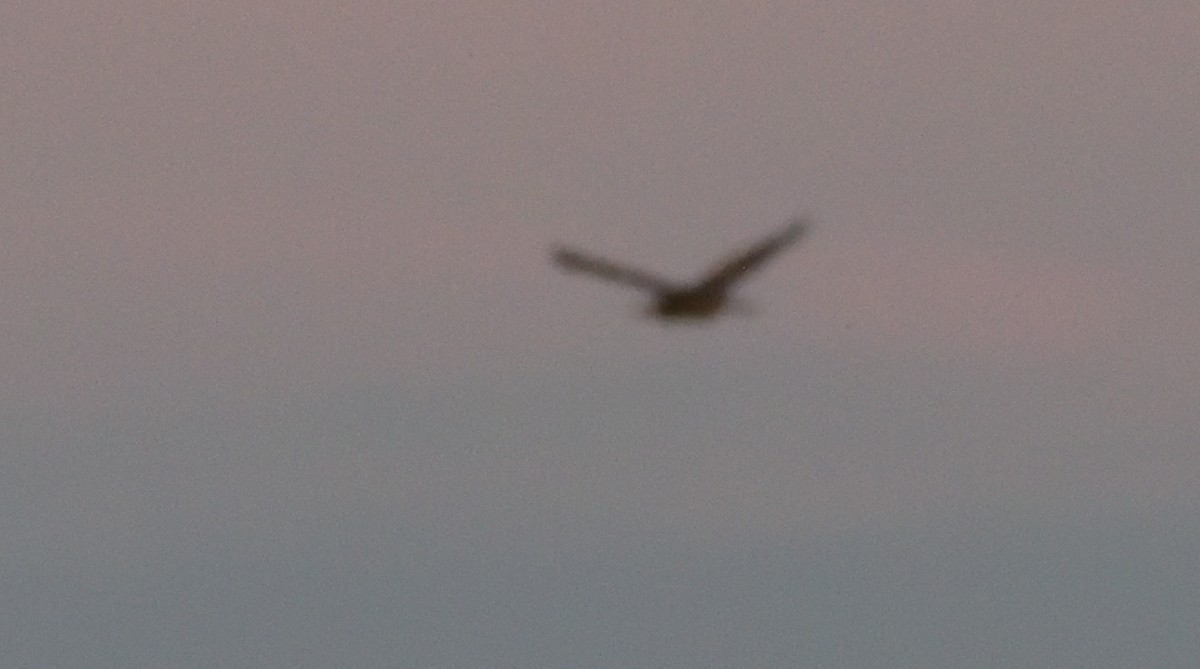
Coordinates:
x,y
290,379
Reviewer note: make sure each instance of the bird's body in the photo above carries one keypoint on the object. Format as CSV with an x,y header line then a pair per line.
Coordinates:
x,y
687,304
702,300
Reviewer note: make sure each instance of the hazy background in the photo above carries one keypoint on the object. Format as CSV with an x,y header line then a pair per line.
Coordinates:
x,y
288,379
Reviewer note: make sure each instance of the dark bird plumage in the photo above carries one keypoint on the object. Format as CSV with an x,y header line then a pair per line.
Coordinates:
x,y
702,299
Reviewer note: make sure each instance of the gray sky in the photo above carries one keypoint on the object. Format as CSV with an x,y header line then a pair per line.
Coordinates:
x,y
290,382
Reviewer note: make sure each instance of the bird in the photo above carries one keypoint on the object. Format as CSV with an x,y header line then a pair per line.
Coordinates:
x,y
701,300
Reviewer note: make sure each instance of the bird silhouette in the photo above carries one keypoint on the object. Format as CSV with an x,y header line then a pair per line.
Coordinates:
x,y
703,299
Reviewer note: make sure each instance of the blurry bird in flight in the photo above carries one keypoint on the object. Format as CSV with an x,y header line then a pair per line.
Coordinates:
x,y
701,300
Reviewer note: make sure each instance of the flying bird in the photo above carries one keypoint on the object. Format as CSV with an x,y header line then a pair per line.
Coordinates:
x,y
700,300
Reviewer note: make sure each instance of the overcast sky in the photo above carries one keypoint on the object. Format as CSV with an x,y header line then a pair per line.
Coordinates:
x,y
289,380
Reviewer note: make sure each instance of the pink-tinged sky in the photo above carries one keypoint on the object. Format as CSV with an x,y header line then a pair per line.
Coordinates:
x,y
273,268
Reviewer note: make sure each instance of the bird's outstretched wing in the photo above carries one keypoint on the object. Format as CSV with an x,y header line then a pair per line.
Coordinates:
x,y
743,263
578,262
